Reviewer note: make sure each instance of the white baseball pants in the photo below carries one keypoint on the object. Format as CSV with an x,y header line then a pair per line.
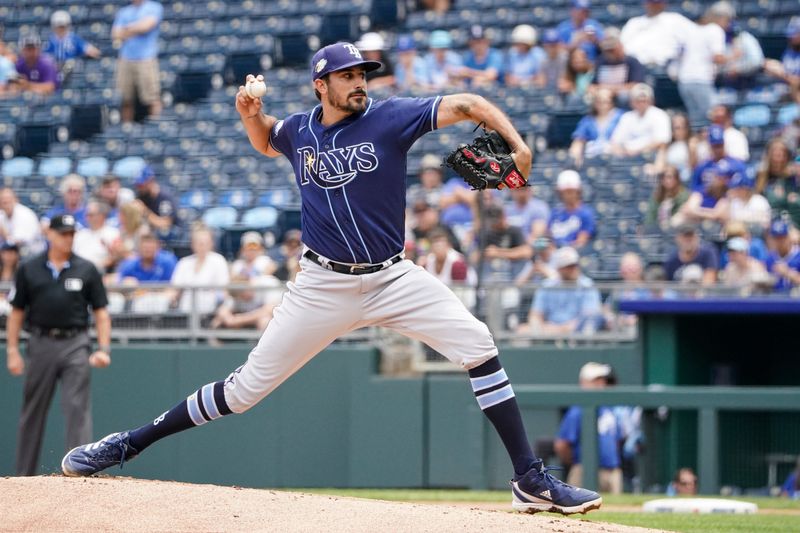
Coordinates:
x,y
322,305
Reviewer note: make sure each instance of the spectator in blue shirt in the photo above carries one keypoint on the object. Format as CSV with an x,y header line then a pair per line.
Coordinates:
x,y
524,58
783,261
136,27
788,69
527,213
592,136
791,487
64,44
568,304
483,64
710,181
410,72
580,30
568,443
150,265
571,223
554,65
683,484
442,63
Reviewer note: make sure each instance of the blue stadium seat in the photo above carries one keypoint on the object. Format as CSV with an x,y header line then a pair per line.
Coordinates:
x,y
220,217
56,167
788,113
93,166
260,217
237,198
275,198
128,168
752,116
18,167
197,199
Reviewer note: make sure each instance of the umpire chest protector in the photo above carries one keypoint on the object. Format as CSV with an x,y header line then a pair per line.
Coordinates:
x,y
352,175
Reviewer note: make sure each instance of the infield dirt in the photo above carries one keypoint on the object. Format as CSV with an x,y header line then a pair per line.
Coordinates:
x,y
55,503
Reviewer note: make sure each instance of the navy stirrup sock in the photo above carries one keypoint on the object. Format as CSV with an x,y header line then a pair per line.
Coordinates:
x,y
496,398
205,404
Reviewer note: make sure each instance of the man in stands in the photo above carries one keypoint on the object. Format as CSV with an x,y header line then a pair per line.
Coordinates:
x,y
443,63
524,58
527,213
156,205
572,223
554,64
615,70
19,224
429,187
150,265
643,129
656,37
63,44
114,195
691,250
38,72
373,48
505,250
788,69
783,261
581,31
72,189
736,144
483,64
567,304
95,241
136,29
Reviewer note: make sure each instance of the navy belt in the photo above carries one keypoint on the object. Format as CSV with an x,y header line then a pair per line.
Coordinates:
x,y
353,270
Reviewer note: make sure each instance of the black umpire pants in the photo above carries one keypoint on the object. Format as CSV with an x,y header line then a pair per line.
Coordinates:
x,y
50,360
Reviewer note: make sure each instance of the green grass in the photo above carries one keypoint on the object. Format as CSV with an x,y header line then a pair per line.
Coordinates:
x,y
684,523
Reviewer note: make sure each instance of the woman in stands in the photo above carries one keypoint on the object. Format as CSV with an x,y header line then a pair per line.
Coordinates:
x,y
682,151
667,199
592,136
776,167
576,79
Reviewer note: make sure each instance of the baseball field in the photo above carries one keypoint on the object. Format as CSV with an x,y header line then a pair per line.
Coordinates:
x,y
56,503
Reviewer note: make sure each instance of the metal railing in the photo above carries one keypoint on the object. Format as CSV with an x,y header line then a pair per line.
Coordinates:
x,y
148,312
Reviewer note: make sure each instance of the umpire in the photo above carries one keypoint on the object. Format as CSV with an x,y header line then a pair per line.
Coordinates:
x,y
53,291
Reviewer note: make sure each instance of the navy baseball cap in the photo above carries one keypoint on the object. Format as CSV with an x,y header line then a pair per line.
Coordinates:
x,y
406,43
779,228
145,175
551,36
339,56
716,135
63,223
580,4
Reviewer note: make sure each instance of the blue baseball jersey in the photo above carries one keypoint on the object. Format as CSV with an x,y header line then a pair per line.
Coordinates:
x,y
705,172
352,175
608,435
71,46
792,260
566,225
791,62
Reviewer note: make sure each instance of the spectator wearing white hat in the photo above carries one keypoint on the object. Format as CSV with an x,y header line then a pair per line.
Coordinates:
x,y
609,434
524,59
442,63
373,48
567,304
63,44
742,270
572,223
643,129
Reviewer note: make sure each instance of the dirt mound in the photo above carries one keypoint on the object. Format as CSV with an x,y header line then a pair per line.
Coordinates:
x,y
55,503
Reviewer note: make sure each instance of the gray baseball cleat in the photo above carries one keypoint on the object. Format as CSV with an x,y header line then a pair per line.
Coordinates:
x,y
94,457
538,491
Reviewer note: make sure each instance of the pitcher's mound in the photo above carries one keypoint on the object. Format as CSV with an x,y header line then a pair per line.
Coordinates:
x,y
55,503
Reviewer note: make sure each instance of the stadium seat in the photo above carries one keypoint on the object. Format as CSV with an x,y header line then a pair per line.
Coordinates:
x,y
128,168
33,139
236,198
788,113
751,116
191,86
92,166
196,199
18,167
275,198
87,120
220,217
260,217
55,167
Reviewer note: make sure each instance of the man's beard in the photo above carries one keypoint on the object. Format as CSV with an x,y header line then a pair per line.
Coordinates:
x,y
350,105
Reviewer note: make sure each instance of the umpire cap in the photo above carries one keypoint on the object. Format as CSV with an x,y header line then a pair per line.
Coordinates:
x,y
339,56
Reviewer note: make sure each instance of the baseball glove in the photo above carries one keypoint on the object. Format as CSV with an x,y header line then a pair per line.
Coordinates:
x,y
486,163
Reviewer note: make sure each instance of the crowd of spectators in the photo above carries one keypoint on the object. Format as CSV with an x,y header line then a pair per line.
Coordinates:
x,y
699,163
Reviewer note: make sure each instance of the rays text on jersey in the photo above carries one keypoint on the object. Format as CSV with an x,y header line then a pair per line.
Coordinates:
x,y
336,167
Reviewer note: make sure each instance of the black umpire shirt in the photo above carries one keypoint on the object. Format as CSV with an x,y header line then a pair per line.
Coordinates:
x,y
58,299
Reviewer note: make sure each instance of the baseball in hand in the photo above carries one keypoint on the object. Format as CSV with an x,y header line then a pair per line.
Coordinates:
x,y
256,88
